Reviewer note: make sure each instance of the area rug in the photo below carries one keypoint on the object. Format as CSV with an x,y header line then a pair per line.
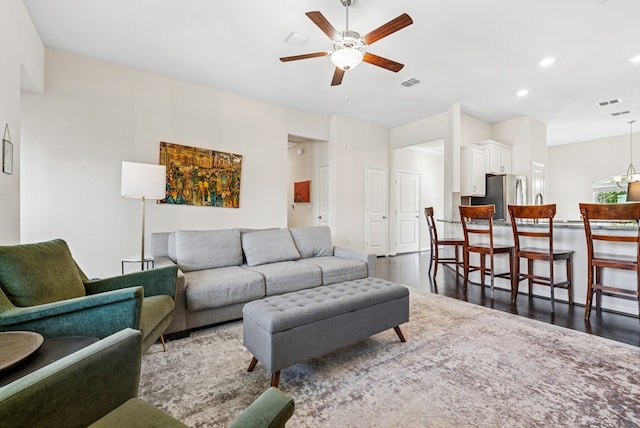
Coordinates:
x,y
462,365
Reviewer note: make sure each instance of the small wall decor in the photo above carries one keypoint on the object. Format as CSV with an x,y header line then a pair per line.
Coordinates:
x,y
201,177
7,151
302,191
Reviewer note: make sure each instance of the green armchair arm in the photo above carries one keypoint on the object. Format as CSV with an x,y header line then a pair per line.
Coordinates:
x,y
78,389
98,315
156,282
272,409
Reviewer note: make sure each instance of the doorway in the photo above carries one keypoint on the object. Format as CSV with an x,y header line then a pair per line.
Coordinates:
x,y
427,160
308,162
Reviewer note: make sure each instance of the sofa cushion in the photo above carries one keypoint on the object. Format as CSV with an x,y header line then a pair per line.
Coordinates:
x,y
136,411
269,246
338,269
207,249
284,277
35,274
171,247
214,288
313,241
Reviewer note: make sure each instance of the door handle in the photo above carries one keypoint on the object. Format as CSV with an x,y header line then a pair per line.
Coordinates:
x,y
384,216
319,217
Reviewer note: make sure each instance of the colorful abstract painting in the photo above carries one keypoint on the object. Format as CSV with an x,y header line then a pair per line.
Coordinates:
x,y
201,177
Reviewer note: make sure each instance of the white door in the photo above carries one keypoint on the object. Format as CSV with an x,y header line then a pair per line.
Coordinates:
x,y
407,212
376,195
324,202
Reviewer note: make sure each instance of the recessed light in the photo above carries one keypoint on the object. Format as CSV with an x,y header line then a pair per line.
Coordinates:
x,y
546,62
522,92
635,59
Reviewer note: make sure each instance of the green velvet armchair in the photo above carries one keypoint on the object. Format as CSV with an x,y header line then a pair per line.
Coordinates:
x,y
42,289
98,387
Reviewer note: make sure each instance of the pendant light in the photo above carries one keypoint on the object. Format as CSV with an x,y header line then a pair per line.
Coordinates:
x,y
631,171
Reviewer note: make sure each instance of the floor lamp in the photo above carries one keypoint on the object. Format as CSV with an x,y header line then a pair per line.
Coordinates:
x,y
142,181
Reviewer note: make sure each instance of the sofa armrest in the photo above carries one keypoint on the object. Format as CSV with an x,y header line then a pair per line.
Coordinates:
x,y
163,261
368,258
155,282
272,408
99,315
79,388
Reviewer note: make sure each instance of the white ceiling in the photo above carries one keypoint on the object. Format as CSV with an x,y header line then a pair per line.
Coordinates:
x,y
478,53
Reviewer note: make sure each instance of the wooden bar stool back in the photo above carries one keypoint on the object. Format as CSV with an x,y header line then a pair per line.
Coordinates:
x,y
612,257
436,243
477,225
532,227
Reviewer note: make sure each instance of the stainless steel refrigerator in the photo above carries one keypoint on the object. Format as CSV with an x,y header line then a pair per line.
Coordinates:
x,y
503,190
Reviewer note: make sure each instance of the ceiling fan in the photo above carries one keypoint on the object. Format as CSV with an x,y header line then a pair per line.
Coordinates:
x,y
348,46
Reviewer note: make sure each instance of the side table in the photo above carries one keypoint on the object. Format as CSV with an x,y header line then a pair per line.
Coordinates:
x,y
149,262
51,350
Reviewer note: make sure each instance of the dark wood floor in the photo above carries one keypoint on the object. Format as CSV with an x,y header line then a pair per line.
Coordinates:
x,y
412,270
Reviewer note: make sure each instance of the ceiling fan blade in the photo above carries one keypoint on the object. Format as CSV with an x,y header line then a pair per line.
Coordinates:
x,y
382,62
322,23
389,28
337,77
305,56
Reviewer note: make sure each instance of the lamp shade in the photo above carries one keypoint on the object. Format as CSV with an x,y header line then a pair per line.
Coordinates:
x,y
142,180
346,58
633,191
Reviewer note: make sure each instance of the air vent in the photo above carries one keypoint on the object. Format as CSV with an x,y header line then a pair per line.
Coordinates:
x,y
606,103
619,113
411,82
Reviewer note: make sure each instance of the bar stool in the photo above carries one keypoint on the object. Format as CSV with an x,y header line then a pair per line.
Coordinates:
x,y
539,246
597,261
436,243
477,224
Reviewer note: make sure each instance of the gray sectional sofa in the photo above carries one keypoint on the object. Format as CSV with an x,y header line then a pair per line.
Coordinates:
x,y
221,270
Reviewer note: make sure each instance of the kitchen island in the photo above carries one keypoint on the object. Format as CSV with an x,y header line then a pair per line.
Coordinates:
x,y
567,234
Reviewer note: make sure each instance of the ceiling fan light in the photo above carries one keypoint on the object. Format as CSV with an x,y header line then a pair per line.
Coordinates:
x,y
346,58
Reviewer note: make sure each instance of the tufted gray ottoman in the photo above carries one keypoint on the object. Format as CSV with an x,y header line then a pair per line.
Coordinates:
x,y
291,328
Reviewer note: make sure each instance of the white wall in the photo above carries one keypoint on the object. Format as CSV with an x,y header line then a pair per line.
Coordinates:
x,y
353,145
94,115
574,167
22,64
473,130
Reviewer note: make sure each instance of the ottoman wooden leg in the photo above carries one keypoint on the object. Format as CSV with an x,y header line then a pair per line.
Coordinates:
x,y
399,333
252,364
275,379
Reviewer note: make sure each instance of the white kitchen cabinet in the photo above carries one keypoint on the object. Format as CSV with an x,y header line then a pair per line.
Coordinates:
x,y
472,170
498,157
